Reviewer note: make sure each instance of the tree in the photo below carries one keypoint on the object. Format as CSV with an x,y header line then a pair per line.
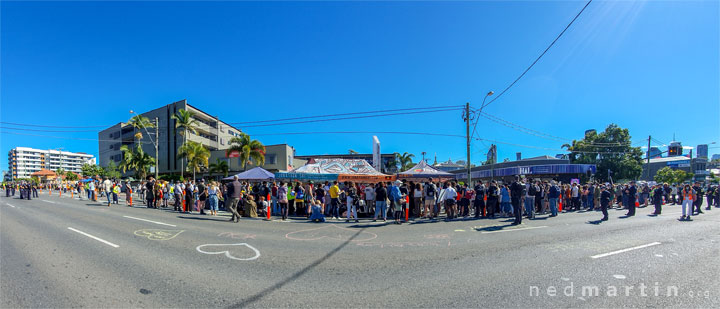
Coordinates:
x,y
139,123
185,120
111,170
59,172
608,150
247,149
137,160
91,170
196,154
404,160
70,176
220,166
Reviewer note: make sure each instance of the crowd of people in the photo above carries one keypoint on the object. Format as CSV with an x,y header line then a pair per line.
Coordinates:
x,y
399,200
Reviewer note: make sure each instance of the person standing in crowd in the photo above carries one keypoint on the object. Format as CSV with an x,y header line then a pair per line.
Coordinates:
x,y
335,201
450,201
430,194
553,195
575,195
274,198
107,188
516,193
128,194
688,195
369,198
115,192
202,196
351,197
149,198
35,191
467,196
300,200
179,196
189,196
530,191
710,196
234,190
212,192
698,200
417,200
479,202
605,198
381,197
320,196
395,201
505,206
631,192
658,193
282,193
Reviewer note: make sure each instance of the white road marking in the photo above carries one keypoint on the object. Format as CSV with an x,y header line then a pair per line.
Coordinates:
x,y
146,220
227,252
10,205
619,276
510,230
94,237
625,250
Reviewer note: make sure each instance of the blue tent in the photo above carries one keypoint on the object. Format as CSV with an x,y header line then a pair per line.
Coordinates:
x,y
257,173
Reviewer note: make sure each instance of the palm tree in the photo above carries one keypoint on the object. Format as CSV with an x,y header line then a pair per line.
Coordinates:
x,y
185,120
196,154
140,122
248,149
137,160
405,160
220,166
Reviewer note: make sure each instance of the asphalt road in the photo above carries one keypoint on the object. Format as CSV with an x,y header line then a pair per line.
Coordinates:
x,y
61,252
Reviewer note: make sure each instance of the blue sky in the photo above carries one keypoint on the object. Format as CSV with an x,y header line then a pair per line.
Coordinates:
x,y
650,66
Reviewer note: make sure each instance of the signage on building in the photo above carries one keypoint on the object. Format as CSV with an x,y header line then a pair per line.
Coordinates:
x,y
679,163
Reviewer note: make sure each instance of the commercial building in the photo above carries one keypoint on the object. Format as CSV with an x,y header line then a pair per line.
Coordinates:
x,y
24,161
278,158
543,167
211,133
676,160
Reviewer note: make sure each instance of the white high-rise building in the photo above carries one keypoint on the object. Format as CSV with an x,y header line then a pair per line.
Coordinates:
x,y
24,161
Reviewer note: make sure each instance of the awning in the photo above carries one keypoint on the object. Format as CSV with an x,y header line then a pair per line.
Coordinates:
x,y
256,173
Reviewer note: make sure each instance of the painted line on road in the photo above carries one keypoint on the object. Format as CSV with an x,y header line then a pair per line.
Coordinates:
x,y
625,250
146,220
520,229
10,205
94,237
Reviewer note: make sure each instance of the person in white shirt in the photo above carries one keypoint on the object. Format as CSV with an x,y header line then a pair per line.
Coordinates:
x,y
369,198
450,196
575,193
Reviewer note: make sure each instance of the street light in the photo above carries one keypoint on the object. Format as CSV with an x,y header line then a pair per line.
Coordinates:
x,y
155,143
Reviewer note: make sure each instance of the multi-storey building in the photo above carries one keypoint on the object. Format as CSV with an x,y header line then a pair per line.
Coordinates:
x,y
24,161
211,132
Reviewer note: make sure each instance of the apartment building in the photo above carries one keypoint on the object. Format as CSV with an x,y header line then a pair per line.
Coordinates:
x,y
211,132
24,161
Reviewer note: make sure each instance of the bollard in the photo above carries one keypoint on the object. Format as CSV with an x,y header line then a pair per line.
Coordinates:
x,y
560,203
183,202
50,192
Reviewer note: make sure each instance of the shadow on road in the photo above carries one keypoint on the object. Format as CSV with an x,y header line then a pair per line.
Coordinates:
x,y
260,295
595,222
493,228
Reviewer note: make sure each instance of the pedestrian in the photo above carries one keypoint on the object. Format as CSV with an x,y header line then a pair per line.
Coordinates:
x,y
202,196
212,191
450,198
115,192
381,197
396,197
250,207
605,198
430,194
417,200
352,199
479,202
505,206
335,200
516,193
554,194
369,198
316,212
274,198
234,190
575,194
658,199
189,196
530,191
128,194
107,189
698,200
149,198
282,193
300,200
688,195
631,193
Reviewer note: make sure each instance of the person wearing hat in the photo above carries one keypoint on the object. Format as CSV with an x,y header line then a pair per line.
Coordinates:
x,y
395,200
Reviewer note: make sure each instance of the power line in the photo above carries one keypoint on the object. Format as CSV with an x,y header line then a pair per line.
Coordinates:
x,y
46,126
359,132
354,117
541,55
354,113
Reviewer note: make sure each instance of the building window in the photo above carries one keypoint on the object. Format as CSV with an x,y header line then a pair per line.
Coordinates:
x,y
270,158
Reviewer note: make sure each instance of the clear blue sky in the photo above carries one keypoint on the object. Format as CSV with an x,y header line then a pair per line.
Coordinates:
x,y
649,66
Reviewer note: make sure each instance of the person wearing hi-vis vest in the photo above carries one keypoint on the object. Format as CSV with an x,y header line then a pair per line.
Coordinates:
x,y
688,195
115,192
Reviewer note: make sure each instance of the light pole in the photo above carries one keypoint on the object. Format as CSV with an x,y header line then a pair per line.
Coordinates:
x,y
467,128
155,142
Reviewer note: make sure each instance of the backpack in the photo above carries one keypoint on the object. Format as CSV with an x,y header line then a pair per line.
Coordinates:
x,y
429,191
532,190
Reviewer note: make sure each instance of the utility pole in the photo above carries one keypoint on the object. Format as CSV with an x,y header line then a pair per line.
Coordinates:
x,y
423,154
467,132
157,142
647,166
